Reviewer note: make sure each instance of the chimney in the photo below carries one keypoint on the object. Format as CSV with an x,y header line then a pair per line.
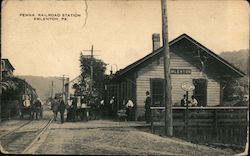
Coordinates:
x,y
156,41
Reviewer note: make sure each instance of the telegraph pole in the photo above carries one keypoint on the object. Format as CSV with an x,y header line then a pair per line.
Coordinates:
x,y
168,87
52,86
91,67
63,78
63,90
1,87
91,71
62,85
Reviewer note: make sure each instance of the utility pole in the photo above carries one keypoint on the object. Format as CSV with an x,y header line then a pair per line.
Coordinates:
x,y
63,82
168,87
62,85
91,71
52,86
91,67
1,87
63,90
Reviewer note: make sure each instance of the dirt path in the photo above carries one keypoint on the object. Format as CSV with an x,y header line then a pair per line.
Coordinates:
x,y
106,137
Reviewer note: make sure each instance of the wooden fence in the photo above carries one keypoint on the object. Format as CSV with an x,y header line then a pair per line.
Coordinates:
x,y
220,125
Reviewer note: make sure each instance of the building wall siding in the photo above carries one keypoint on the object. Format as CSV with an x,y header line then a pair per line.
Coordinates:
x,y
156,70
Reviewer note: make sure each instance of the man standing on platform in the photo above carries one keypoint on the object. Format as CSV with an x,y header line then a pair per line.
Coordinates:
x,y
184,101
147,107
129,106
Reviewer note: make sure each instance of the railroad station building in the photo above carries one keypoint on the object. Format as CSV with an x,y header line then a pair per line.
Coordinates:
x,y
190,62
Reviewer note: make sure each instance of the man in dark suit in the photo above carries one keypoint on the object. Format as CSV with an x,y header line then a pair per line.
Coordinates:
x,y
54,107
74,108
184,101
147,107
61,108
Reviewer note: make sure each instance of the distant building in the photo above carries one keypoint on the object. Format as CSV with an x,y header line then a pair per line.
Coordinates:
x,y
7,68
189,62
13,91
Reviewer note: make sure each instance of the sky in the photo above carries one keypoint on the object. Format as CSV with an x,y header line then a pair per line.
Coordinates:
x,y
120,30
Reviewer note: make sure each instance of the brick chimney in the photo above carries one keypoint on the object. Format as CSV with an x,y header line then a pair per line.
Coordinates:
x,y
156,41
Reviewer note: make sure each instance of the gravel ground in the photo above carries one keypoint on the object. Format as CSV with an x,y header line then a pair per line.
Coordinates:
x,y
114,138
105,137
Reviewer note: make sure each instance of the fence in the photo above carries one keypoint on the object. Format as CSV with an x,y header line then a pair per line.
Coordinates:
x,y
221,125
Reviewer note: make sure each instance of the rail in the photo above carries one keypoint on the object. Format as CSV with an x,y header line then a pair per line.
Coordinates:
x,y
15,129
42,130
27,132
199,108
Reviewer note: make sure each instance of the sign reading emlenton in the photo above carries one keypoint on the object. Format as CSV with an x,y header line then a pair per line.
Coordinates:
x,y
180,71
187,86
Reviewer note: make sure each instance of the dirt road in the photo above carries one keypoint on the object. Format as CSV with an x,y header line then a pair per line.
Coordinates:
x,y
116,138
102,137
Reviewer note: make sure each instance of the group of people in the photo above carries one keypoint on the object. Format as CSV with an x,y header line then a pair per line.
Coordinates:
x,y
75,109
58,105
34,107
185,102
127,105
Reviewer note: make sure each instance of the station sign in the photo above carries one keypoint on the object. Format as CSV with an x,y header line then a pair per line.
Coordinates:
x,y
187,86
180,71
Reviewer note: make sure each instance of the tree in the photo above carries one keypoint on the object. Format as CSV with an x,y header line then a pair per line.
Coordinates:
x,y
232,90
99,68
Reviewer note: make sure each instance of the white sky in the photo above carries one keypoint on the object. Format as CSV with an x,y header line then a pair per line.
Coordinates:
x,y
121,30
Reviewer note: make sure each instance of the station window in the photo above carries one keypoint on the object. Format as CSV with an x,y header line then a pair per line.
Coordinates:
x,y
200,91
157,92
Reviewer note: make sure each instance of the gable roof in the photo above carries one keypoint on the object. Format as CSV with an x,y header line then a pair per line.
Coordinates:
x,y
183,36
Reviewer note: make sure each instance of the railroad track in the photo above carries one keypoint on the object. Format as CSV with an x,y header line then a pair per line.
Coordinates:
x,y
15,129
22,138
38,136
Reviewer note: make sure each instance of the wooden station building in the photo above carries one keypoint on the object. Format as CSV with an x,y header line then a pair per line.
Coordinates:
x,y
190,62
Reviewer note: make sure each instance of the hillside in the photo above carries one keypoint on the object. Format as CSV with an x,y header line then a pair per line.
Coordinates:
x,y
43,85
239,59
